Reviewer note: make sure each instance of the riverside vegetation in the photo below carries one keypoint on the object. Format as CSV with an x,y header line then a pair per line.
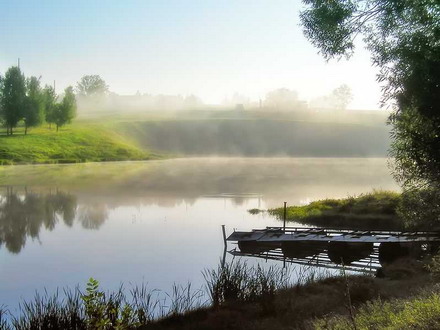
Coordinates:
x,y
377,210
240,297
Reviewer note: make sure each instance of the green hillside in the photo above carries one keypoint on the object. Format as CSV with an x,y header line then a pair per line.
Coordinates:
x,y
73,144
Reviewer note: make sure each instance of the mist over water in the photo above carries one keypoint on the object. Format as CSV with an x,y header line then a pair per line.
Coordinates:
x,y
157,221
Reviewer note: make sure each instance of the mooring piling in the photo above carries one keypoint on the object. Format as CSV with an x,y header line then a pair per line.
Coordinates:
x,y
284,217
224,236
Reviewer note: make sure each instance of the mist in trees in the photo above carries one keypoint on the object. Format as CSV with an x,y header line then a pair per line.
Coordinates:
x,y
91,85
283,99
93,96
338,99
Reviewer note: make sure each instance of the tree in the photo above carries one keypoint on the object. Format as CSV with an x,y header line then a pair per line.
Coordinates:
x,y
50,98
1,103
338,99
33,110
342,97
13,98
403,37
91,85
282,99
65,111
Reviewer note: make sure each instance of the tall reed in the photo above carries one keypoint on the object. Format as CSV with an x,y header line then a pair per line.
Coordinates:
x,y
96,309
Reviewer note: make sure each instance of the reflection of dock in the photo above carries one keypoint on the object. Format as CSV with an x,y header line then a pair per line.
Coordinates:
x,y
366,265
331,248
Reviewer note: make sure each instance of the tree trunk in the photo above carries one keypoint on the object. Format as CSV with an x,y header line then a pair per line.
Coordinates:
x,y
25,129
57,127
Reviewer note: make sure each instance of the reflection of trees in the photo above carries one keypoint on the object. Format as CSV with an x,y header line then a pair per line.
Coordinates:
x,y
93,216
24,215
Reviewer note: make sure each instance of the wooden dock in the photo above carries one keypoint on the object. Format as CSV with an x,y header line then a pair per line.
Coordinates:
x,y
278,234
364,251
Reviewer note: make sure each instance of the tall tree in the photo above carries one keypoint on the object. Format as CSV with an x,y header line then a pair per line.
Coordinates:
x,y
33,111
1,97
65,111
91,85
50,98
342,96
13,98
403,37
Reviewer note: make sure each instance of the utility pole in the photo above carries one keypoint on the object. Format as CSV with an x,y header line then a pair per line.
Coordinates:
x,y
54,85
18,62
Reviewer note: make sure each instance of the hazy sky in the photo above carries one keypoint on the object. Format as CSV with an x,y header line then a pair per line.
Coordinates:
x,y
211,48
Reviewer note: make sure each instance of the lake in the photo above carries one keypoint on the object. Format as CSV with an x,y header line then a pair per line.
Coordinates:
x,y
154,222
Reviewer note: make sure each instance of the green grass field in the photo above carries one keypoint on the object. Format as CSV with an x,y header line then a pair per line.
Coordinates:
x,y
71,144
376,210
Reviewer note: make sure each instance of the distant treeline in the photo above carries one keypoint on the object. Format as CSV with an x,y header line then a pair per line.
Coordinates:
x,y
260,137
23,99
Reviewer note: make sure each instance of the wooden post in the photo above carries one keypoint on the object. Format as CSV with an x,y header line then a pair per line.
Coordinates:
x,y
225,248
284,217
224,236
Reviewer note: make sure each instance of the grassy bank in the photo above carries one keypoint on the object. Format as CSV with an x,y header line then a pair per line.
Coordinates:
x,y
242,297
257,137
421,312
376,210
72,144
120,136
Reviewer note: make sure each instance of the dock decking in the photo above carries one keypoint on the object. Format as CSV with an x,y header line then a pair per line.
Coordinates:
x,y
289,234
364,251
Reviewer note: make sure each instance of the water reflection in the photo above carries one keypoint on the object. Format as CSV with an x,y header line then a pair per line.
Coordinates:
x,y
354,256
89,193
170,183
23,214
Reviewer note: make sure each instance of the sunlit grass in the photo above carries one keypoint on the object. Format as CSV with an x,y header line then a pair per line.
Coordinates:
x,y
418,313
375,210
72,144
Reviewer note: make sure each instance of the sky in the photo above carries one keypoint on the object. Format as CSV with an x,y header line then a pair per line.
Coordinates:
x,y
210,48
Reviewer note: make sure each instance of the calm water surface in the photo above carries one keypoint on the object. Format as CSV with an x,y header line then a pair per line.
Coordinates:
x,y
156,222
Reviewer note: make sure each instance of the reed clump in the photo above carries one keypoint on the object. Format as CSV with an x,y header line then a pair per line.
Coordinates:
x,y
236,296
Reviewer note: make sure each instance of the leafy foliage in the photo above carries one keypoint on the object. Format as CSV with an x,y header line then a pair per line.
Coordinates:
x,y
420,208
342,96
33,111
403,37
50,98
65,111
13,97
419,313
91,85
